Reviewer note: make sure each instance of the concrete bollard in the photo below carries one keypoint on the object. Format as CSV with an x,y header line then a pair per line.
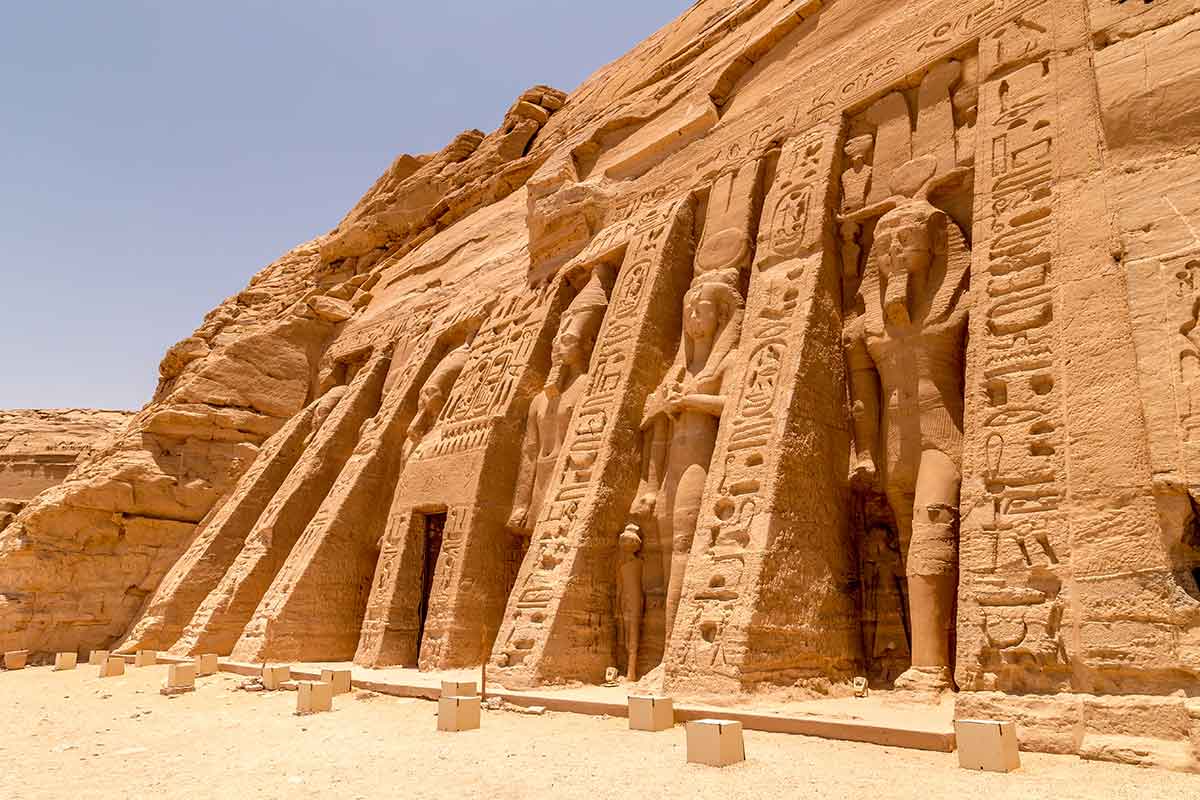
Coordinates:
x,y
16,659
459,689
458,713
651,713
112,667
65,661
314,697
338,678
987,745
274,677
145,658
96,658
207,664
715,742
181,678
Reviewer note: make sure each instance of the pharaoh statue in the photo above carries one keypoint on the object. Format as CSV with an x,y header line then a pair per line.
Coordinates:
x,y
631,599
681,420
906,358
432,399
551,411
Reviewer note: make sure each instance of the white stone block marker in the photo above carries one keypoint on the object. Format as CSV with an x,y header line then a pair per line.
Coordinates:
x,y
458,713
715,742
988,745
274,677
181,676
647,713
15,659
65,661
207,664
112,667
314,697
145,658
96,658
338,678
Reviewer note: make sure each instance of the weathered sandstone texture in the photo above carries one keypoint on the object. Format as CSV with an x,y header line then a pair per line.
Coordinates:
x,y
40,447
811,339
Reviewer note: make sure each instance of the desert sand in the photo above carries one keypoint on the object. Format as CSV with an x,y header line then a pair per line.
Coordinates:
x,y
71,734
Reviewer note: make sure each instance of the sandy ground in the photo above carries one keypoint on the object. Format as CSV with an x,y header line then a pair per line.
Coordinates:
x,y
72,734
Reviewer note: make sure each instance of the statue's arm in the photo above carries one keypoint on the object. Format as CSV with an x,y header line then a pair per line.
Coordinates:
x,y
711,404
865,408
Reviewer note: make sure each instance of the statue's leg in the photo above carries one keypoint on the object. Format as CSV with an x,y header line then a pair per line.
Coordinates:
x,y
688,494
633,626
932,564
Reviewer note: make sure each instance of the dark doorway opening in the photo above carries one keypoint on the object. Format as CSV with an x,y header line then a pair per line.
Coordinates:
x,y
435,527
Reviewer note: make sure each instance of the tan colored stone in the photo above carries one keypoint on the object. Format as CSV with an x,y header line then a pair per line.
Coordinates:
x,y
65,661
808,347
457,714
313,697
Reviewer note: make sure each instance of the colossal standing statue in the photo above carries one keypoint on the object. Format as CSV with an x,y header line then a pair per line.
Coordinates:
x,y
906,356
551,411
681,420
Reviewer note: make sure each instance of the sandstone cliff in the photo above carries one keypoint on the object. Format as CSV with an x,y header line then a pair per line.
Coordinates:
x,y
40,447
811,338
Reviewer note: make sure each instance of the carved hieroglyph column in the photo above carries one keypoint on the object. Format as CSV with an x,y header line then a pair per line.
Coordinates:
x,y
315,606
224,613
218,540
767,597
1063,571
559,622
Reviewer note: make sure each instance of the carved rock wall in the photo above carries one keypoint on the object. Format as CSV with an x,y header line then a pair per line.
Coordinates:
x,y
894,377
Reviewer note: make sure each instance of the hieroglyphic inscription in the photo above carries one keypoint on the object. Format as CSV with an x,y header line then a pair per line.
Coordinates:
x,y
1022,420
793,221
498,358
937,40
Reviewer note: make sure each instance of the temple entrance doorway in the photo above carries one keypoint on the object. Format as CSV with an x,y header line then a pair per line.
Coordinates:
x,y
434,530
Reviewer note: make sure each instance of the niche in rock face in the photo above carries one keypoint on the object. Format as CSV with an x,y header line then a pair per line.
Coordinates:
x,y
433,529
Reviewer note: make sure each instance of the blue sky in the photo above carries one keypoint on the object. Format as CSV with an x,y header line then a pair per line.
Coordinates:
x,y
155,155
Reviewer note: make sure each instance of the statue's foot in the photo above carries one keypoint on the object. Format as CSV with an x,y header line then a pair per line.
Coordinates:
x,y
925,680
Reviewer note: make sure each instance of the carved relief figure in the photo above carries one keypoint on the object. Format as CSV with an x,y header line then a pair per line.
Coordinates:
x,y
906,356
631,599
433,398
682,417
551,411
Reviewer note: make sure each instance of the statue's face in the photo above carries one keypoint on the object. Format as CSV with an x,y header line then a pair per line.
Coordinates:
x,y
431,396
701,313
907,249
569,348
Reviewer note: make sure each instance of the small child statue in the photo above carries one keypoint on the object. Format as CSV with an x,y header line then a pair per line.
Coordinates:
x,y
631,602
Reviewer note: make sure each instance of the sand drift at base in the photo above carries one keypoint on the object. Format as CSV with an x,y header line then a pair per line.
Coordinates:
x,y
78,729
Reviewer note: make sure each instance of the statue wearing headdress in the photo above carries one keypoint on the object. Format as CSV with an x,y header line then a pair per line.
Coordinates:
x,y
681,420
906,355
551,411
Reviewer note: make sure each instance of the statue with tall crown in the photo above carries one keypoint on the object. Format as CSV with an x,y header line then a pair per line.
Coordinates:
x,y
551,411
906,356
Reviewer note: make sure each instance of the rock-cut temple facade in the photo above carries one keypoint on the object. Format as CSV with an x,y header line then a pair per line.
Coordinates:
x,y
811,339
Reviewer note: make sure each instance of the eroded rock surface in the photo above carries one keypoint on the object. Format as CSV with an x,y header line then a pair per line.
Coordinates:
x,y
40,447
810,339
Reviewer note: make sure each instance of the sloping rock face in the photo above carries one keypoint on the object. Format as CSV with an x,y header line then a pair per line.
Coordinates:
x,y
40,447
808,340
